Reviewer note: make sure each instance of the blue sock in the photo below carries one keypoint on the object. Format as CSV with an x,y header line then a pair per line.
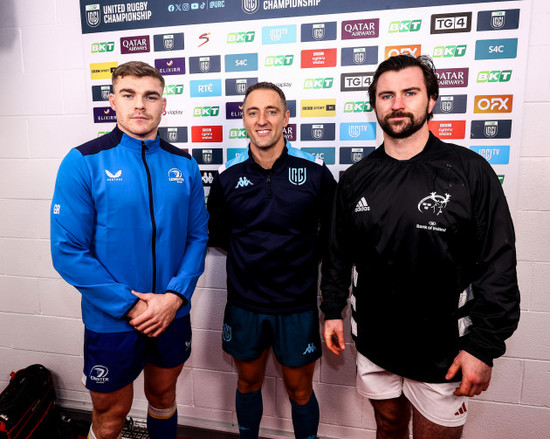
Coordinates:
x,y
305,418
162,423
250,409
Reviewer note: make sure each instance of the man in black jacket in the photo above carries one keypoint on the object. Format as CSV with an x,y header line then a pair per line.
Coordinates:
x,y
426,229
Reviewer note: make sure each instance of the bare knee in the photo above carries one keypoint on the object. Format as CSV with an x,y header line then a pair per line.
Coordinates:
x,y
392,417
300,395
108,421
160,398
249,384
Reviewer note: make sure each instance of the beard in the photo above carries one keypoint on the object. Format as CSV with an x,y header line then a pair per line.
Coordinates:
x,y
407,127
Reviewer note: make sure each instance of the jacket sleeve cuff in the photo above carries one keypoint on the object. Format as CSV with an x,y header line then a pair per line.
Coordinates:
x,y
181,296
130,308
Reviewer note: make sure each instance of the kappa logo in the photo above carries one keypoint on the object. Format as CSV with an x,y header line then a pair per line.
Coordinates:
x,y
176,175
362,206
435,203
243,182
227,332
114,177
311,348
99,374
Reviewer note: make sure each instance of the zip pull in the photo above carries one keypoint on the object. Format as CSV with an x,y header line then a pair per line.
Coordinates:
x,y
268,181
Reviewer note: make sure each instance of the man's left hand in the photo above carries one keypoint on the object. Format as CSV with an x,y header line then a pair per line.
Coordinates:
x,y
476,375
161,310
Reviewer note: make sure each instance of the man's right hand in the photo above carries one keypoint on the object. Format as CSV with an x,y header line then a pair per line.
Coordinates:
x,y
333,333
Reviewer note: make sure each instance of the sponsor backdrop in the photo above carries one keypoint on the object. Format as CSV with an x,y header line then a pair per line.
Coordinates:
x,y
323,54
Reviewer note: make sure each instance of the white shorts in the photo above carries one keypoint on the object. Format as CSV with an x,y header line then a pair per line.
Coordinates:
x,y
434,401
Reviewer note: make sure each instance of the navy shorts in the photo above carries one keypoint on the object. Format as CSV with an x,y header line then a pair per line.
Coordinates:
x,y
114,360
294,337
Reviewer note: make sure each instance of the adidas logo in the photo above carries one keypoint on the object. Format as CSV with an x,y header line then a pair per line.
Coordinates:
x,y
461,410
362,206
310,349
243,182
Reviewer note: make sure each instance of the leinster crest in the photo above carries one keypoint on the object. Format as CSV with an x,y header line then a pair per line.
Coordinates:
x,y
93,15
297,176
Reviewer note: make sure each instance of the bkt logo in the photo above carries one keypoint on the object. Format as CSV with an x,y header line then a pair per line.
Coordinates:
x,y
173,89
238,133
493,104
355,81
450,23
357,107
279,34
318,83
241,37
358,131
415,50
279,60
495,155
405,26
103,47
205,88
449,51
206,111
494,76
497,49
241,62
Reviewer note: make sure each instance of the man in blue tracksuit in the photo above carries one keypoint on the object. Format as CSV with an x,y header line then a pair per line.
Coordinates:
x,y
129,231
270,209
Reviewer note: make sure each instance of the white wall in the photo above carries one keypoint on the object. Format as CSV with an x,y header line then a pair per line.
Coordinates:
x,y
43,114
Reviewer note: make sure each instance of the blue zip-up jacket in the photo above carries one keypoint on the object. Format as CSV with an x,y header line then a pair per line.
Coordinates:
x,y
274,225
128,215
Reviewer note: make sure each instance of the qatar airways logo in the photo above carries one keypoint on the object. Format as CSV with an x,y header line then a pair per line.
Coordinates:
x,y
134,44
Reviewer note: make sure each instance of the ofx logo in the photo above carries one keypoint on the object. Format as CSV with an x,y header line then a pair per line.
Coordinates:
x,y
410,49
212,133
493,104
167,42
103,47
354,29
494,76
450,51
318,108
279,60
319,31
102,70
356,56
453,77
359,81
318,83
241,37
319,58
170,66
134,44
241,62
450,23
498,20
405,26
497,49
448,129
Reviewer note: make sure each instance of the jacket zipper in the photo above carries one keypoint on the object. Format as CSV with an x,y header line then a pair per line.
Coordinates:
x,y
268,181
151,213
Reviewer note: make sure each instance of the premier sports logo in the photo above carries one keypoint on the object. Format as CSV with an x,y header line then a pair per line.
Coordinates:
x,y
493,103
353,29
451,23
319,58
170,66
457,77
173,134
448,129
